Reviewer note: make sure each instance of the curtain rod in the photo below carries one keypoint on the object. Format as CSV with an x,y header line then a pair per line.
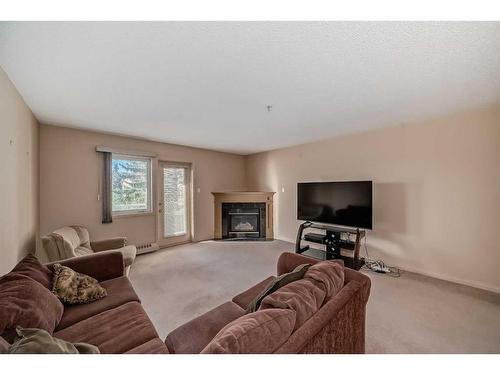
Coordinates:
x,y
125,152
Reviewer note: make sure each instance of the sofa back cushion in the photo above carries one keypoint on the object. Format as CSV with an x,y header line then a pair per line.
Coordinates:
x,y
328,273
27,303
305,297
70,235
31,267
277,283
260,332
320,283
83,235
67,242
57,248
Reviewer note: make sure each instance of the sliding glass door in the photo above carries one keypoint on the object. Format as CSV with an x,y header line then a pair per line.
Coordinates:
x,y
174,203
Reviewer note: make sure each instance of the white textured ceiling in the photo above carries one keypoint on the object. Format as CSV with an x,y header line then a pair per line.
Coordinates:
x,y
207,84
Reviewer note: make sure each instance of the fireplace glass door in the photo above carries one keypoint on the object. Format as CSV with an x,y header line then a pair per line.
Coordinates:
x,y
244,222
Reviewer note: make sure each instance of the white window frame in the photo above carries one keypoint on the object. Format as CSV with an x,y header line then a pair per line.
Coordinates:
x,y
149,185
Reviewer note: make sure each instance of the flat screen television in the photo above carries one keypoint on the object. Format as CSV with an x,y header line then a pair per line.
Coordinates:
x,y
346,203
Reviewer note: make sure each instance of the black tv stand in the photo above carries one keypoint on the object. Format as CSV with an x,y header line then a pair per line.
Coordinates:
x,y
334,239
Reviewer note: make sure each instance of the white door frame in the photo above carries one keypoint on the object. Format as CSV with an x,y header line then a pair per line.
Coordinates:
x,y
180,239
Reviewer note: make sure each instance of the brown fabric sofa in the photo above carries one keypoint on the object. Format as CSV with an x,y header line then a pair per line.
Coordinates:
x,y
119,324
73,241
115,324
338,326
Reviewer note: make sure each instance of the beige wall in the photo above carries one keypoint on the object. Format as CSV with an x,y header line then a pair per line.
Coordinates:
x,y
69,182
436,191
19,176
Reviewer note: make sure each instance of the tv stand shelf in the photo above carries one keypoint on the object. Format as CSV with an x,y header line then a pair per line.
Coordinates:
x,y
334,240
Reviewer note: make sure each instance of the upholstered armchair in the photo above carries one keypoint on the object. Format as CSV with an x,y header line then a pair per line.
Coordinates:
x,y
73,241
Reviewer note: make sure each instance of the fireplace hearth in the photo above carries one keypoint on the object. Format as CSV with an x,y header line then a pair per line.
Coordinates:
x,y
244,221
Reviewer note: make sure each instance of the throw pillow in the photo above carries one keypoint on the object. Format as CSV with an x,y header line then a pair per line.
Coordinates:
x,y
26,302
38,341
260,332
30,266
75,288
278,282
4,345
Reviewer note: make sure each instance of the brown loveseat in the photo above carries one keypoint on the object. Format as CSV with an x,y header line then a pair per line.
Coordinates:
x,y
337,326
115,324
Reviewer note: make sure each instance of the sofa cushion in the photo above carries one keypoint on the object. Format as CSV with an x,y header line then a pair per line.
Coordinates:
x,y
82,250
113,331
330,274
154,346
120,291
27,303
30,266
70,236
83,234
74,288
56,247
192,337
277,283
243,299
306,296
260,332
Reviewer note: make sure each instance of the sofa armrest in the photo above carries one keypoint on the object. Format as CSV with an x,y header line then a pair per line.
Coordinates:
x,y
362,279
109,244
104,266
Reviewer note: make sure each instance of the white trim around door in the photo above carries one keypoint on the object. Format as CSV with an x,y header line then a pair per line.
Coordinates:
x,y
174,203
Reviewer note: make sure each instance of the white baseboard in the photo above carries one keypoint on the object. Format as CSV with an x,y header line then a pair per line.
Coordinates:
x,y
439,276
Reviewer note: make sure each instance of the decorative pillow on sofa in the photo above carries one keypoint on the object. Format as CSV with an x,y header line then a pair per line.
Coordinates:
x,y
4,345
73,288
30,266
278,282
260,332
38,341
26,302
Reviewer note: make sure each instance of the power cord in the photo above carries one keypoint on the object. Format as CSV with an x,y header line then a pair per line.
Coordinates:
x,y
378,266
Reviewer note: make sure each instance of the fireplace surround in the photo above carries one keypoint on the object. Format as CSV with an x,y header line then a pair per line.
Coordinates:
x,y
243,215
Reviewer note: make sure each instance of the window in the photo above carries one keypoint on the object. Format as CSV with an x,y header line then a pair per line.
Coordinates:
x,y
131,184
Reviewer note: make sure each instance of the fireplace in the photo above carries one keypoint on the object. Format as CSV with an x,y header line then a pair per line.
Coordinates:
x,y
243,215
244,221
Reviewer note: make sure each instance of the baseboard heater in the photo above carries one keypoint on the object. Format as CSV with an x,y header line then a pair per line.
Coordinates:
x,y
147,248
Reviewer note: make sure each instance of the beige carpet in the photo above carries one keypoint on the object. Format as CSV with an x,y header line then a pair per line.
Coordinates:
x,y
410,314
